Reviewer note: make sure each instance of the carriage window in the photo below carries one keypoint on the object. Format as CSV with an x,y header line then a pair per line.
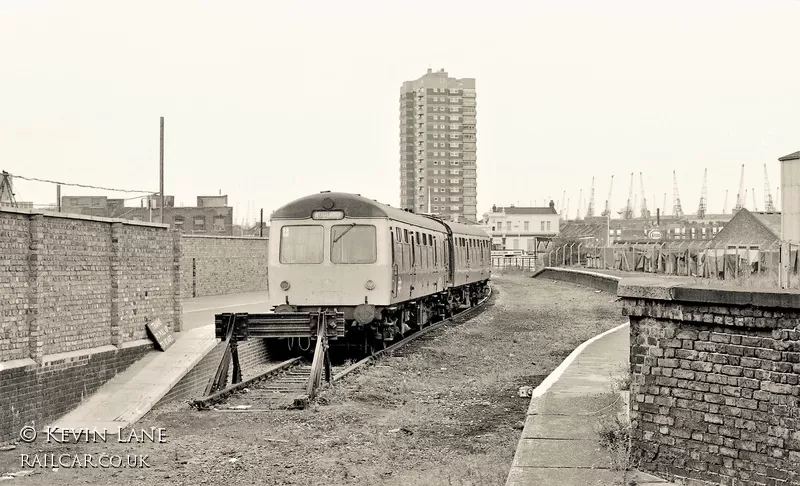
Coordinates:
x,y
302,244
353,243
405,232
425,239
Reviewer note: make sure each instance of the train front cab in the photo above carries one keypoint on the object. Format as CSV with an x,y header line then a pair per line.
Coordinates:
x,y
329,263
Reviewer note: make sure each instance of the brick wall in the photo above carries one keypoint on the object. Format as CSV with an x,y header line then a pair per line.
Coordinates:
x,y
216,265
14,287
714,393
75,295
34,394
75,282
252,353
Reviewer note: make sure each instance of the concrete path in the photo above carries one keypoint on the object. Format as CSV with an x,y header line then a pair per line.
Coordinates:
x,y
560,441
129,395
200,311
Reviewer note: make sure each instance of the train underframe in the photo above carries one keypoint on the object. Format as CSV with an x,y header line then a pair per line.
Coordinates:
x,y
369,331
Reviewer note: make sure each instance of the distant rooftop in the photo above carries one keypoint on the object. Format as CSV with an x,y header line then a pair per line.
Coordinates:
x,y
794,156
526,209
771,220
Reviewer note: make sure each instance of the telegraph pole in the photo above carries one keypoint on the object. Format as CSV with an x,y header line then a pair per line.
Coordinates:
x,y
58,197
161,172
261,228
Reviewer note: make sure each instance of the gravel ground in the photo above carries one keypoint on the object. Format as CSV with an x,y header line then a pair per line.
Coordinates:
x,y
448,413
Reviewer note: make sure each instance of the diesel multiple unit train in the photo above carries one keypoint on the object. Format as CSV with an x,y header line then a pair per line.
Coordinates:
x,y
384,271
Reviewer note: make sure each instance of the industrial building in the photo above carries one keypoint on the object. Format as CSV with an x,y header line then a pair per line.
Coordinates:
x,y
211,216
438,146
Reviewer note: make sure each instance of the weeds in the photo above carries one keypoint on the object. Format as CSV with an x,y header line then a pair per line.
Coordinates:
x,y
621,382
614,433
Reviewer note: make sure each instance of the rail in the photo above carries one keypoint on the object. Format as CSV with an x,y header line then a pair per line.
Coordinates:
x,y
217,391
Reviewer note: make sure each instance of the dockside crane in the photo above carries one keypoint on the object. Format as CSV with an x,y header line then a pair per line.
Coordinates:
x,y
628,212
769,204
645,211
607,211
701,210
580,202
740,197
755,206
7,195
725,208
563,213
664,206
590,211
677,211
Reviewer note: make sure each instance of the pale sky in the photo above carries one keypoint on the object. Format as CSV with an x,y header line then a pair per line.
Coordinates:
x,y
270,101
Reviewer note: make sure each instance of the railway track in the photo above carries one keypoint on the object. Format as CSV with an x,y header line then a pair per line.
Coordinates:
x,y
283,385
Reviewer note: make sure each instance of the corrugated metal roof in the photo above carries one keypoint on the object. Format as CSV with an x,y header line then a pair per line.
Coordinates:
x,y
582,230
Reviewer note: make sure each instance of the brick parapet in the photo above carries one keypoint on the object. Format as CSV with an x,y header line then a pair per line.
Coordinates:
x,y
714,391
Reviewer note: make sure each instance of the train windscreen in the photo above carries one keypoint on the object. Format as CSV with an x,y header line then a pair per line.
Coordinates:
x,y
353,243
302,244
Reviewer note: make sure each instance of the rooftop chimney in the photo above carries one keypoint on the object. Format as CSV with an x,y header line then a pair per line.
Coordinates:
x,y
552,204
430,70
494,208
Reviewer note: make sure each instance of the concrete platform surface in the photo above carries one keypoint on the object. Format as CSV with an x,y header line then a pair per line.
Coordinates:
x,y
129,395
560,441
200,310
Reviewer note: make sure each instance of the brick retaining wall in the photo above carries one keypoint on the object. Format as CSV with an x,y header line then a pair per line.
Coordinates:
x,y
216,265
252,353
714,393
75,295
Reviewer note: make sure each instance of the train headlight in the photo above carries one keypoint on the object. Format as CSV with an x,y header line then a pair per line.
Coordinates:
x,y
369,285
285,285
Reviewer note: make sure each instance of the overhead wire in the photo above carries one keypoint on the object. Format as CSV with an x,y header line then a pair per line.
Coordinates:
x,y
83,185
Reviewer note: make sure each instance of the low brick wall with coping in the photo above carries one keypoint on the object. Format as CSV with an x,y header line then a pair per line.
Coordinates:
x,y
599,281
714,391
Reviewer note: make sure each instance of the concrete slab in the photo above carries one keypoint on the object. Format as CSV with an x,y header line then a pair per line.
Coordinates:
x,y
544,476
560,427
576,453
129,395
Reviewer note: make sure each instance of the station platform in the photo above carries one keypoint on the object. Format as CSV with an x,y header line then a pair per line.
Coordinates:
x,y
560,440
131,394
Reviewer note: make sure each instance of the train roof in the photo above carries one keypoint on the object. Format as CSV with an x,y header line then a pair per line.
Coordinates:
x,y
357,206
354,206
466,229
